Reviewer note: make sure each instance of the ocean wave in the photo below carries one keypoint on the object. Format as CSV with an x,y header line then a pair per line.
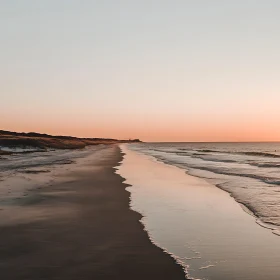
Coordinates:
x,y
267,180
213,159
209,151
177,151
223,171
265,164
257,154
260,154
252,163
202,154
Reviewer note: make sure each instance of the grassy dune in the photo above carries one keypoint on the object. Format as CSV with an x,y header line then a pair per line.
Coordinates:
x,y
43,141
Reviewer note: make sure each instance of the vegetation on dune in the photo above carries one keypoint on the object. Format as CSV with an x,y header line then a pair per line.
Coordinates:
x,y
42,141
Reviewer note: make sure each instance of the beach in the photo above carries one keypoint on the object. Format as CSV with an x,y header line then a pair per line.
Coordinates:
x,y
139,140
132,211
73,221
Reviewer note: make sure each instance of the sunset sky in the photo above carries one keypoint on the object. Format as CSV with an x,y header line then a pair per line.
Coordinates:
x,y
158,70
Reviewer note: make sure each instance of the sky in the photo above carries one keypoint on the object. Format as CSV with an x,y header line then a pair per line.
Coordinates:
x,y
158,70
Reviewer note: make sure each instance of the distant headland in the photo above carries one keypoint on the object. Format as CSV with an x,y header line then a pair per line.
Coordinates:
x,y
43,141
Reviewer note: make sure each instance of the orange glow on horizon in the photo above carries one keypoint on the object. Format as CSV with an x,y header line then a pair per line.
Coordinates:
x,y
172,130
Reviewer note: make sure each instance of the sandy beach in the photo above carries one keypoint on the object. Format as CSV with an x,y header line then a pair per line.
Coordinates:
x,y
80,226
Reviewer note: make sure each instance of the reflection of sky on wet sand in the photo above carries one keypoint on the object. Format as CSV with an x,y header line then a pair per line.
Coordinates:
x,y
199,223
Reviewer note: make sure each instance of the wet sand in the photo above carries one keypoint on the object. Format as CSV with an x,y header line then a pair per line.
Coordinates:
x,y
80,227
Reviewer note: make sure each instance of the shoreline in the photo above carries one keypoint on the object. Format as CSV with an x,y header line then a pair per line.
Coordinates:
x,y
145,229
246,207
199,224
81,227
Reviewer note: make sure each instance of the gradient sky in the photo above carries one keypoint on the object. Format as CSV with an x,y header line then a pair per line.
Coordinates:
x,y
176,70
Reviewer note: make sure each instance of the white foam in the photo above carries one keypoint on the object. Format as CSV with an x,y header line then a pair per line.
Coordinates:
x,y
207,266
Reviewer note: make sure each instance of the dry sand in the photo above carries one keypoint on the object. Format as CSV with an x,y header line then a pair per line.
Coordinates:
x,y
81,229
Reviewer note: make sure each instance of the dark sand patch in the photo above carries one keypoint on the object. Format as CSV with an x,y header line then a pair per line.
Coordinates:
x,y
34,171
82,229
4,153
